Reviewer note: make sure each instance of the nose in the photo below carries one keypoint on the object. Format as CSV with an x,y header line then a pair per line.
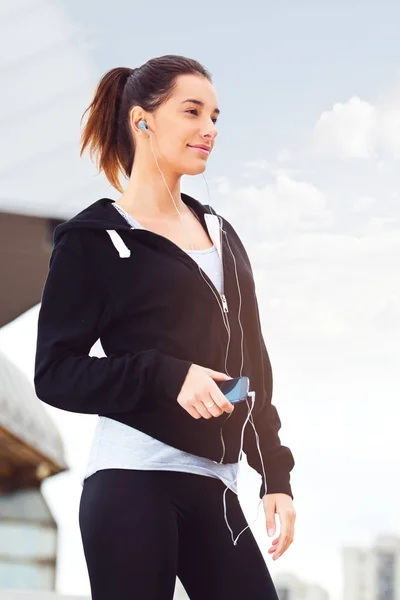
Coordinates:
x,y
210,131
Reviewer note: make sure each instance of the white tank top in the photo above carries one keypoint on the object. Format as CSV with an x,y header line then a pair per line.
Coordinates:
x,y
119,446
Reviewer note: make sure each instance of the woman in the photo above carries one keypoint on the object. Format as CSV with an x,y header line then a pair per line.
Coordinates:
x,y
167,287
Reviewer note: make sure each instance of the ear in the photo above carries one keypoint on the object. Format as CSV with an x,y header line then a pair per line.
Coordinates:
x,y
136,114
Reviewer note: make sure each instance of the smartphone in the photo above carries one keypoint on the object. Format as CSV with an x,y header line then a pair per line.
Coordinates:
x,y
236,389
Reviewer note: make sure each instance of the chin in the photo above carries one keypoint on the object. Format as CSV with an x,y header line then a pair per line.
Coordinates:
x,y
195,168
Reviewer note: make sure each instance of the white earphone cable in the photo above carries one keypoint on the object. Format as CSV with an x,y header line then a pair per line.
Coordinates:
x,y
226,322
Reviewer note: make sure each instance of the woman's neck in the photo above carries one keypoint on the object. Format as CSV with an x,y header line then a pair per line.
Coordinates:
x,y
147,195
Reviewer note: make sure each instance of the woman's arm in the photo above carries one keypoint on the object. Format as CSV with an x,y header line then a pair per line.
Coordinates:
x,y
69,324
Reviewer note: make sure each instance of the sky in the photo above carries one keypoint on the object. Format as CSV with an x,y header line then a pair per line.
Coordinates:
x,y
306,167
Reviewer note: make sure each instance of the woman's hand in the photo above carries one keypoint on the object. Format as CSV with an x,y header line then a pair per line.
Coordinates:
x,y
282,504
200,396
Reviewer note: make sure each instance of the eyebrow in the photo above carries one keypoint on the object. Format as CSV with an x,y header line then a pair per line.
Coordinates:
x,y
200,103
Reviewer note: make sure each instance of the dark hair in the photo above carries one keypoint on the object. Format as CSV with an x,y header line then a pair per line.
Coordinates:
x,y
107,131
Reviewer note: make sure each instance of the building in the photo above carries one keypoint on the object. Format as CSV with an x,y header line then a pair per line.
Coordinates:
x,y
31,450
373,573
289,587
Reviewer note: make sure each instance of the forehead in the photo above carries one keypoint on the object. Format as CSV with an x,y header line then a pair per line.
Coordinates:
x,y
195,86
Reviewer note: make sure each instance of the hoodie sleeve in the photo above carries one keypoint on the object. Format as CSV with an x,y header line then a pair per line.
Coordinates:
x,y
277,459
71,319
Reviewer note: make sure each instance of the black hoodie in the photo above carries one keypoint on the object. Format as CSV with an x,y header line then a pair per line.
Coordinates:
x,y
146,300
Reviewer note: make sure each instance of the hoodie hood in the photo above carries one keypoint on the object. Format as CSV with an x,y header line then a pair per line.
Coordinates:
x,y
102,215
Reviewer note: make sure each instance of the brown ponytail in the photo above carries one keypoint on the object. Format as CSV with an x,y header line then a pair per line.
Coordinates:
x,y
100,134
107,132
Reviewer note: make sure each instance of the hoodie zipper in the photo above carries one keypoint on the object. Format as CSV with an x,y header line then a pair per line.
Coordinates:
x,y
222,293
222,296
226,310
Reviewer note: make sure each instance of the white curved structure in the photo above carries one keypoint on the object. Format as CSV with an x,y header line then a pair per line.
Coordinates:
x,y
28,437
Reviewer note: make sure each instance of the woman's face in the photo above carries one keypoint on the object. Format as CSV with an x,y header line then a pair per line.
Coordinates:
x,y
186,120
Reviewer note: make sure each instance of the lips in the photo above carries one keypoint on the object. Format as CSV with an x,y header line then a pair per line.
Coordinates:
x,y
202,147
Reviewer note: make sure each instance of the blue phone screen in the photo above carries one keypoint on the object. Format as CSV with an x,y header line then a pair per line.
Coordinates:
x,y
236,389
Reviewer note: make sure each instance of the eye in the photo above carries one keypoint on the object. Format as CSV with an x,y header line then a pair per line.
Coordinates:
x,y
196,112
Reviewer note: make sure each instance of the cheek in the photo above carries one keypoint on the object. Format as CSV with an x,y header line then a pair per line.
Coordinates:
x,y
172,145
177,150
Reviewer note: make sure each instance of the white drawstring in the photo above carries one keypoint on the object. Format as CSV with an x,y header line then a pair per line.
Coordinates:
x,y
119,244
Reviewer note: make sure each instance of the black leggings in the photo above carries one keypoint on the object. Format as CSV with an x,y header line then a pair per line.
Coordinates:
x,y
141,529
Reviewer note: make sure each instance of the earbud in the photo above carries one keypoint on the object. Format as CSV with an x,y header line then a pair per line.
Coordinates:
x,y
143,126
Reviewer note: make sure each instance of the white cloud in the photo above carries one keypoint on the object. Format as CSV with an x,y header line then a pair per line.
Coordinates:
x,y
259,165
284,156
332,288
362,202
389,129
378,225
347,131
262,167
358,129
223,185
278,208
